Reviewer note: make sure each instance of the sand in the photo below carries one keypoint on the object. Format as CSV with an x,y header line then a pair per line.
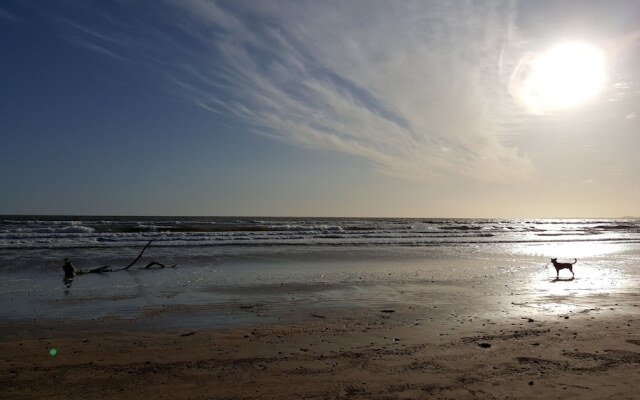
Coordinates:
x,y
587,348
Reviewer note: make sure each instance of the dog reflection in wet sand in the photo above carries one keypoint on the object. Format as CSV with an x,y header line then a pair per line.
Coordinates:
x,y
558,266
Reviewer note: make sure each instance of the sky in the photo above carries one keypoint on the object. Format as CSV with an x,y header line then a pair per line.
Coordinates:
x,y
320,108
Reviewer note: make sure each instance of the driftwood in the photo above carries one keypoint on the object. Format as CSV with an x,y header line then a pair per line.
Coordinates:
x,y
151,264
70,271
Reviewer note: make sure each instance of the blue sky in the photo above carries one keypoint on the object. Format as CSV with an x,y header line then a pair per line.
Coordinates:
x,y
359,108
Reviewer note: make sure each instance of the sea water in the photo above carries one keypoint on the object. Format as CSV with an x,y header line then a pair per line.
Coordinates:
x,y
231,263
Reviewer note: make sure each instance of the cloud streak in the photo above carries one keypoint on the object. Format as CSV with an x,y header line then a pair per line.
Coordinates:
x,y
417,88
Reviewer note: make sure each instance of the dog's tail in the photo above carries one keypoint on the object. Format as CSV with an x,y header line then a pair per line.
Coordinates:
x,y
575,260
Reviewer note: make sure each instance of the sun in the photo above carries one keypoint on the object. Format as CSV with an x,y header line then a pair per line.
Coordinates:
x,y
564,76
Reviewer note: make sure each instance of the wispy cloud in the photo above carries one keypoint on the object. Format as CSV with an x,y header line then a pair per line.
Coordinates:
x,y
418,88
95,47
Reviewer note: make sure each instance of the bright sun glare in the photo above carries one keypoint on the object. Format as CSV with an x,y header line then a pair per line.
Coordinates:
x,y
566,75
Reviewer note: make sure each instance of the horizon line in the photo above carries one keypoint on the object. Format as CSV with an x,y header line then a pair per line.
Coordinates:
x,y
295,216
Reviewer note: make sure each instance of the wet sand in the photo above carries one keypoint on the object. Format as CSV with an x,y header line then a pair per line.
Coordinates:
x,y
475,346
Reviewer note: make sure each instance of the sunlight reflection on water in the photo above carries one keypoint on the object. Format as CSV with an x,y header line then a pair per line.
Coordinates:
x,y
571,250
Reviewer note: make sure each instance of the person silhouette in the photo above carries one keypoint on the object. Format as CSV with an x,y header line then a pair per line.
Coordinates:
x,y
69,268
70,272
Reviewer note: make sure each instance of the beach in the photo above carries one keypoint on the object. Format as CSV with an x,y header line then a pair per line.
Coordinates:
x,y
484,317
588,352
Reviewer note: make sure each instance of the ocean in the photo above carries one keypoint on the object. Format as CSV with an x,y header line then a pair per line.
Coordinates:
x,y
226,264
37,232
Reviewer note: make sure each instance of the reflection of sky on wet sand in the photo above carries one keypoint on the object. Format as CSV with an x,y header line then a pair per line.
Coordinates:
x,y
502,280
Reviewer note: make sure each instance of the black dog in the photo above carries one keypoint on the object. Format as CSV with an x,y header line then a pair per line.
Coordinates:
x,y
560,266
